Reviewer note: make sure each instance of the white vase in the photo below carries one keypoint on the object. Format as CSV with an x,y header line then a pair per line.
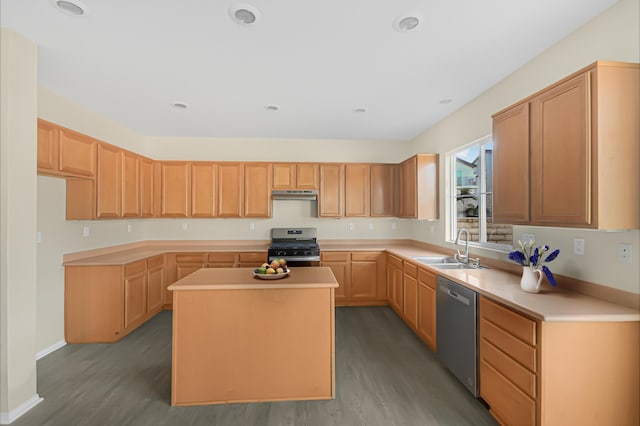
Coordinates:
x,y
529,281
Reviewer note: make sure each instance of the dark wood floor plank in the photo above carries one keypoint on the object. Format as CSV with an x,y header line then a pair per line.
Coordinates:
x,y
384,376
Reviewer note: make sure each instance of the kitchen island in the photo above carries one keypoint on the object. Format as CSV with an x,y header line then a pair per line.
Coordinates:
x,y
237,338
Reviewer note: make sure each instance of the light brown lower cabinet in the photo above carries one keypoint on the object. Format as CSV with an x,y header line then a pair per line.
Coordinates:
x,y
394,283
410,294
361,276
105,303
558,373
427,307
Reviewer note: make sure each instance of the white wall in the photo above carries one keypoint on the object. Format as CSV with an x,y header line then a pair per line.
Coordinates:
x,y
613,35
18,147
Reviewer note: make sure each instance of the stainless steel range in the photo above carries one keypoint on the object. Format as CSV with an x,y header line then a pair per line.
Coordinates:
x,y
298,246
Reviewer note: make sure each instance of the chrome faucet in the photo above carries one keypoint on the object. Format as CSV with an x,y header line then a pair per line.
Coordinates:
x,y
463,258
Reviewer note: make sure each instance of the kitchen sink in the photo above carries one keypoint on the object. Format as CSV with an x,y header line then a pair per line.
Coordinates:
x,y
458,266
434,260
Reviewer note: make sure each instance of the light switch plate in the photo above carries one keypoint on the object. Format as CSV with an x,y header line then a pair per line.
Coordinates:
x,y
528,237
625,252
578,246
85,231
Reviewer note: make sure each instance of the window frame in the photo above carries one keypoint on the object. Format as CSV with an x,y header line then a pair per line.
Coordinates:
x,y
451,210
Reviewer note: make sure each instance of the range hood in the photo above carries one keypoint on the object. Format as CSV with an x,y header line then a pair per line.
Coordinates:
x,y
295,194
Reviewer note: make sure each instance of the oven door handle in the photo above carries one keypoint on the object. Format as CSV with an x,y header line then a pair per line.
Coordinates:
x,y
296,258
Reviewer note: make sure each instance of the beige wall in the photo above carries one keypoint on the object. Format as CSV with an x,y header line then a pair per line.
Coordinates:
x,y
614,35
18,145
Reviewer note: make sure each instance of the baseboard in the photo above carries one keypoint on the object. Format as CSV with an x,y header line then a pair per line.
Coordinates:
x,y
46,351
8,418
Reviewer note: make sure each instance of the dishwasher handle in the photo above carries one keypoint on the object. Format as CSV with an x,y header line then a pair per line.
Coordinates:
x,y
455,295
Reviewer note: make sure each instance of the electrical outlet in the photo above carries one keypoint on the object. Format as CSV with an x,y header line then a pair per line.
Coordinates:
x,y
185,226
85,231
370,226
431,228
528,237
351,227
252,227
38,237
578,246
129,227
625,252
394,225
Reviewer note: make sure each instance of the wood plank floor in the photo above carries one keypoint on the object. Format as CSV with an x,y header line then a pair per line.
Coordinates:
x,y
384,376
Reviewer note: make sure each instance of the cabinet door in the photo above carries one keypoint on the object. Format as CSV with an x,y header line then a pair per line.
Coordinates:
x,y
203,189
47,146
427,186
135,294
382,190
341,272
357,189
284,176
230,189
155,284
410,300
427,308
408,188
331,194
257,190
130,185
511,165
175,189
394,283
221,260
77,153
307,176
367,276
146,187
561,154
109,182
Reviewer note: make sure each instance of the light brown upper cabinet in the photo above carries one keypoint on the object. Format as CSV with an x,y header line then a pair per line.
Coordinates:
x,y
204,200
230,189
131,184
147,194
64,152
419,187
331,193
295,176
357,189
257,189
175,188
582,141
384,189
109,182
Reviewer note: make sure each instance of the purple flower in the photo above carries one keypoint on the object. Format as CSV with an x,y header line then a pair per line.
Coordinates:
x,y
549,275
552,255
534,257
517,257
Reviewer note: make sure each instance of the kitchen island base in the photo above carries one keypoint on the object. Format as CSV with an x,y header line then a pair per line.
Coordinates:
x,y
258,341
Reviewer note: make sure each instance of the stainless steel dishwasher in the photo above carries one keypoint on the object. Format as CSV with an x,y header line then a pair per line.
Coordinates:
x,y
456,343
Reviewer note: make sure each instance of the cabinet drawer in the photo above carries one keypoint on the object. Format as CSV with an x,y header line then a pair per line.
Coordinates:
x,y
259,258
509,403
515,348
334,256
135,268
411,270
524,379
221,258
189,258
521,327
154,262
358,256
427,278
394,261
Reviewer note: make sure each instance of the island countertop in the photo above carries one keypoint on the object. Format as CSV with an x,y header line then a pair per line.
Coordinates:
x,y
243,278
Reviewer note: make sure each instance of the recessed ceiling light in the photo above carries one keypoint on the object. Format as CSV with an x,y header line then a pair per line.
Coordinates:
x,y
180,105
446,101
406,23
360,109
70,7
244,14
271,107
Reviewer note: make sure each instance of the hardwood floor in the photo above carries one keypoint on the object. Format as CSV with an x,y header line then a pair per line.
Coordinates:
x,y
384,376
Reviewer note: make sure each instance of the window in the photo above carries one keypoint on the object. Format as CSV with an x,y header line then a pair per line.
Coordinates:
x,y
471,196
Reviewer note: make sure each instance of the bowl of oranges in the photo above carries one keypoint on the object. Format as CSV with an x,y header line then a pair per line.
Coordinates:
x,y
272,271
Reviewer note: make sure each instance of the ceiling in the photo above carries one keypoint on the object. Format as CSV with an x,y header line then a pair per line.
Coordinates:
x,y
316,61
